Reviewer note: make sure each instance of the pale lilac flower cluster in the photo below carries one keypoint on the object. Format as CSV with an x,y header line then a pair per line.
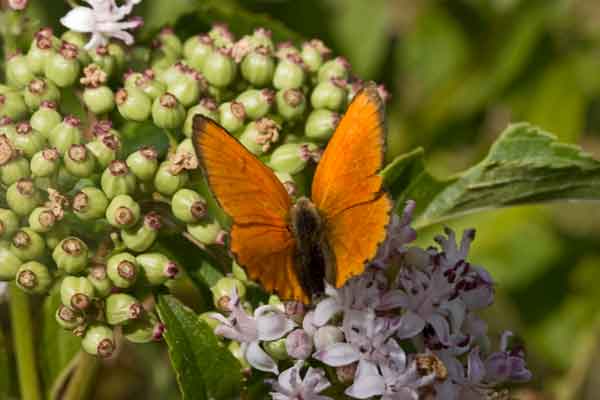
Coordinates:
x,y
405,329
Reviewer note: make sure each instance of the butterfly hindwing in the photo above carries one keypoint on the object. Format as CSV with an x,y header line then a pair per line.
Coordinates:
x,y
250,193
347,188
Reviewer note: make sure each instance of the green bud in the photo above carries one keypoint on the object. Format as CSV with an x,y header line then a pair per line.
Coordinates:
x,y
288,183
236,350
148,84
313,53
258,67
98,277
67,318
28,140
143,330
173,73
117,52
99,100
12,105
276,349
101,57
71,255
188,87
188,206
259,136
170,42
133,104
223,289
141,238
321,124
207,232
45,118
168,112
207,107
238,272
9,130
39,90
291,103
232,116
66,134
77,40
62,67
123,212
122,308
157,267
291,158
34,277
22,197
9,263
15,170
207,317
18,73
42,219
338,68
169,178
143,163
257,103
219,68
9,223
196,50
77,292
221,35
79,161
40,51
329,94
90,203
117,179
27,244
122,269
45,163
99,340
289,73
105,148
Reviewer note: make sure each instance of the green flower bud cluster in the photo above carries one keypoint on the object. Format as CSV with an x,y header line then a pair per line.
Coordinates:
x,y
83,206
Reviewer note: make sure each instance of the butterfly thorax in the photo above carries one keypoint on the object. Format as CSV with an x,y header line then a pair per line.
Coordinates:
x,y
314,259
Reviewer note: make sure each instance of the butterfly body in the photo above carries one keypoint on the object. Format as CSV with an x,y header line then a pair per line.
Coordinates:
x,y
314,260
293,248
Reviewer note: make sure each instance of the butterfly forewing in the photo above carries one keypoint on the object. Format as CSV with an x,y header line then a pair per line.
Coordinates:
x,y
258,203
347,189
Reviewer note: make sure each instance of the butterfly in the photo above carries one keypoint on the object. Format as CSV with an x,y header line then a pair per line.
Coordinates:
x,y
293,247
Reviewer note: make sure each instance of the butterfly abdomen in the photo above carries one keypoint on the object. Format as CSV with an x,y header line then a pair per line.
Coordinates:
x,y
314,260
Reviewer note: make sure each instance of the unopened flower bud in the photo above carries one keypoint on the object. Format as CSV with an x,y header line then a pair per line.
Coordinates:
x,y
326,336
63,66
219,68
257,103
258,67
68,318
41,219
28,140
143,163
101,58
122,270
299,344
196,50
45,118
122,308
313,54
79,161
90,203
277,349
329,94
141,238
9,263
123,212
188,89
22,197
291,103
77,292
38,91
105,148
207,107
34,277
168,180
100,99
292,158
71,255
157,267
15,170
289,73
148,84
338,68
321,124
208,231
168,112
133,104
223,289
9,223
12,105
99,279
170,42
99,340
188,206
66,134
117,179
45,162
40,51
18,73
232,116
259,136
145,329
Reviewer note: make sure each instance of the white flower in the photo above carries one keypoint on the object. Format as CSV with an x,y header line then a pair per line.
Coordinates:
x,y
290,386
268,323
103,20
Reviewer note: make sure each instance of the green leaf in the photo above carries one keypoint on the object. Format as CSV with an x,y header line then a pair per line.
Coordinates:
x,y
159,13
204,367
525,165
56,365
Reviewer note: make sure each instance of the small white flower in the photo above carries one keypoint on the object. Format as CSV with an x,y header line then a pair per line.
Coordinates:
x,y
290,386
103,20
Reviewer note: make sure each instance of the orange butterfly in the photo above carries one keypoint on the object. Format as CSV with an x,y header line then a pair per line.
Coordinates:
x,y
291,248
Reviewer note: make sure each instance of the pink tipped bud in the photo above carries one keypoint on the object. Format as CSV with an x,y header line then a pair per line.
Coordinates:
x,y
299,344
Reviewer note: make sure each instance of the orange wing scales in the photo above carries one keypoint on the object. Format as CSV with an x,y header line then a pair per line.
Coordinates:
x,y
347,189
259,205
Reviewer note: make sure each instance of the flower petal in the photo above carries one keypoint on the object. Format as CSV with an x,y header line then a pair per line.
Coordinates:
x,y
410,324
337,355
260,360
80,19
326,309
367,382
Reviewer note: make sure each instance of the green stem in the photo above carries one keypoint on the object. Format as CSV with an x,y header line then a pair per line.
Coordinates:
x,y
82,382
22,332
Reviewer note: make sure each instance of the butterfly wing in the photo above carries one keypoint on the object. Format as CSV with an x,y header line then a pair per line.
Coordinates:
x,y
259,205
347,189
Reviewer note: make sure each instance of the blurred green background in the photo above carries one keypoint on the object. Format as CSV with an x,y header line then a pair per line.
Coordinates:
x,y
459,71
